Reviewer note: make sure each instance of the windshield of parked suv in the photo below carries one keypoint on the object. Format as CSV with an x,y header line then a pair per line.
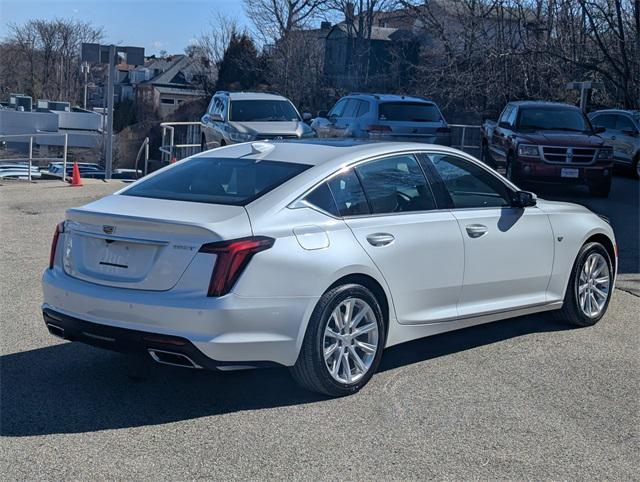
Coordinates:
x,y
217,180
409,112
553,119
262,111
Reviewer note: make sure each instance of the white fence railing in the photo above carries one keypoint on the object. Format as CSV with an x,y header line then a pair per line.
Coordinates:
x,y
30,159
188,137
467,138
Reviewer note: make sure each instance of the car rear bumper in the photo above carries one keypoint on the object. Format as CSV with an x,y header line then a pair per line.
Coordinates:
x,y
230,330
169,350
559,173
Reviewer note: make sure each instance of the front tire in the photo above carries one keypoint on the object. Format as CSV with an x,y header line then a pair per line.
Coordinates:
x,y
512,169
343,343
590,286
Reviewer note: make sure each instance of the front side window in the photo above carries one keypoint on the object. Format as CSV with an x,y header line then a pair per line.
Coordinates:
x,y
363,108
624,124
351,108
348,194
338,109
395,184
409,112
608,121
217,180
506,113
262,111
469,185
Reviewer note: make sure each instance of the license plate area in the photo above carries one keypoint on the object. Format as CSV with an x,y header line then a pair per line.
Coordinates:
x,y
571,173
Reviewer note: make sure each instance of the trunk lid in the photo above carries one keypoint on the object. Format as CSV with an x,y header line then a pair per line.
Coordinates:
x,y
143,243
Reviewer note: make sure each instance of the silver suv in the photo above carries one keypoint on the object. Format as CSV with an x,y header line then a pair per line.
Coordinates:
x,y
622,132
234,117
384,117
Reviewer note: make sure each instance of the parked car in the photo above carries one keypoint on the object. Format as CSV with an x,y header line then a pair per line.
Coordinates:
x,y
317,255
18,170
384,117
88,170
234,117
622,132
548,142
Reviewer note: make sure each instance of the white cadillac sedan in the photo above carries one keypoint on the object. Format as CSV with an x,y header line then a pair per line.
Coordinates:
x,y
317,255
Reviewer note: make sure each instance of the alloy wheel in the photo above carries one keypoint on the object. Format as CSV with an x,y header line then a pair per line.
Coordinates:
x,y
350,340
593,285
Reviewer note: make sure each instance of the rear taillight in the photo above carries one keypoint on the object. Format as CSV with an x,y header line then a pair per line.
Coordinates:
x,y
54,243
377,128
232,258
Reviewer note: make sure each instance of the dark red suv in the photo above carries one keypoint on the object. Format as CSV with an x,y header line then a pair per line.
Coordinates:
x,y
549,142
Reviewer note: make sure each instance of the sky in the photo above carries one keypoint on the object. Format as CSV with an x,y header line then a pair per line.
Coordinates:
x,y
156,25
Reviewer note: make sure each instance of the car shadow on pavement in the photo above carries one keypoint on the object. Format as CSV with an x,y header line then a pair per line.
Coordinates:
x,y
73,388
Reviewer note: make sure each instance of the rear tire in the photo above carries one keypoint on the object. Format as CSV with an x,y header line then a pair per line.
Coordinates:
x,y
575,311
636,166
601,189
343,364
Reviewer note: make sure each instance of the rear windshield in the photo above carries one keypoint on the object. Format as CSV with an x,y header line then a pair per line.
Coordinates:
x,y
409,112
262,111
553,119
217,180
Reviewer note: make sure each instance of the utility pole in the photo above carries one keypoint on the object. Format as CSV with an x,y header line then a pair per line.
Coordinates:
x,y
585,89
106,54
84,68
110,80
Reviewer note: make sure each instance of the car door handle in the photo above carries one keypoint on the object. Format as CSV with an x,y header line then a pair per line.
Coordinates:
x,y
380,239
476,230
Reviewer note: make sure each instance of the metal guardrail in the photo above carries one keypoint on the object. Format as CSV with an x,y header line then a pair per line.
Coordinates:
x,y
30,159
171,150
469,135
464,137
143,148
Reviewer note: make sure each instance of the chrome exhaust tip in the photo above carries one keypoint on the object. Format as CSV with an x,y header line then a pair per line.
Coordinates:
x,y
172,358
56,331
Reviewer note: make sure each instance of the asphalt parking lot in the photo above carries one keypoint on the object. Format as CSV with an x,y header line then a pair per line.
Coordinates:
x,y
526,398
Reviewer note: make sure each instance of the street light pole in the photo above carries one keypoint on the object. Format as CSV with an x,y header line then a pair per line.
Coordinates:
x,y
110,93
85,70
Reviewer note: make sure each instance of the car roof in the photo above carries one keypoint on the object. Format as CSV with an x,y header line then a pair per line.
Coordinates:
x,y
615,111
252,96
541,103
314,152
388,97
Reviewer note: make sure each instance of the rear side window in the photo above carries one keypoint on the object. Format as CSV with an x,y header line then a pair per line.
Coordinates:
x,y
395,184
348,194
470,186
322,199
217,180
409,112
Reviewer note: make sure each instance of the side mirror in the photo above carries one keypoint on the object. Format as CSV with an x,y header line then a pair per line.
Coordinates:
x,y
322,113
306,116
599,130
215,117
524,199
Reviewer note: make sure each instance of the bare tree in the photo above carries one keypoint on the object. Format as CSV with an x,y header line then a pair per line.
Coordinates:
x,y
209,48
43,58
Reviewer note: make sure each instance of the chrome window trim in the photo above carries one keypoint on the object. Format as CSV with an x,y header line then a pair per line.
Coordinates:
x,y
299,201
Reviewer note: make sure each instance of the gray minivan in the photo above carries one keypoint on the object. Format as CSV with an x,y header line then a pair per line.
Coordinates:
x,y
384,117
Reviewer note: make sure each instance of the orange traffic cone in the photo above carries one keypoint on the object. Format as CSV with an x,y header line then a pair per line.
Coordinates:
x,y
76,180
173,159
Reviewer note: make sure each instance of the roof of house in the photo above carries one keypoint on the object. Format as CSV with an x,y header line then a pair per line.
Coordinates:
x,y
377,33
